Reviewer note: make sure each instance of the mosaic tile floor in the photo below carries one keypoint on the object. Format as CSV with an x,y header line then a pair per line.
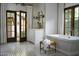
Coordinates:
x,y
23,49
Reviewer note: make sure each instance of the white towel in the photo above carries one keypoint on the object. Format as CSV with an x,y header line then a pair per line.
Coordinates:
x,y
46,43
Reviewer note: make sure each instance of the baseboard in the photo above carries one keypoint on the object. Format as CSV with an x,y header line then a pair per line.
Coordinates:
x,y
2,43
62,51
31,42
26,41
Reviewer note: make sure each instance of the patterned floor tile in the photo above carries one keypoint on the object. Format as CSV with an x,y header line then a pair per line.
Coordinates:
x,y
23,49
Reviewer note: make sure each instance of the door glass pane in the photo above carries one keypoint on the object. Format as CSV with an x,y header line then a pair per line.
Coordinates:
x,y
10,24
13,28
22,33
22,24
8,14
13,34
9,34
21,29
9,28
18,25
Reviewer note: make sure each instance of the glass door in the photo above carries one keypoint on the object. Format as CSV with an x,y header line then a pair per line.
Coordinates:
x,y
22,26
11,26
16,26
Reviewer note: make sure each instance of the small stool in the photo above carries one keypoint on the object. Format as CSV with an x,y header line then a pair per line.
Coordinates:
x,y
50,47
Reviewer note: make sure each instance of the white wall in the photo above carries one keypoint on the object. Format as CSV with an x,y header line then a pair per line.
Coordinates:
x,y
13,7
36,8
52,24
29,22
3,23
70,4
60,18
18,7
51,18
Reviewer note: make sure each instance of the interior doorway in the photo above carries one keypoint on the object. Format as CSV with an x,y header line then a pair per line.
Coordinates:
x,y
16,26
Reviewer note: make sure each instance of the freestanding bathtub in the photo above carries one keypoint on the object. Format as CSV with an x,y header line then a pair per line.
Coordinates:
x,y
66,44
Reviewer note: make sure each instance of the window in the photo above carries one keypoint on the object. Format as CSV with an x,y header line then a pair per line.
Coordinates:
x,y
71,21
76,22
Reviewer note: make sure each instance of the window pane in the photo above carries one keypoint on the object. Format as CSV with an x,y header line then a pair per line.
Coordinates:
x,y
76,32
76,23
77,12
68,13
67,22
67,31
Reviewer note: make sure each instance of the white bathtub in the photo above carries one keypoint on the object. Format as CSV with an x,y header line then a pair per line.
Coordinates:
x,y
66,44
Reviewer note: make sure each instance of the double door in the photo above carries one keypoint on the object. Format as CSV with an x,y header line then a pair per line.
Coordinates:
x,y
16,26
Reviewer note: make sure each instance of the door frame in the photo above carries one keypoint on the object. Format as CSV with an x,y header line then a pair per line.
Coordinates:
x,y
16,25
